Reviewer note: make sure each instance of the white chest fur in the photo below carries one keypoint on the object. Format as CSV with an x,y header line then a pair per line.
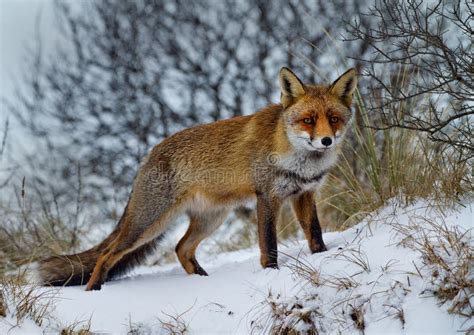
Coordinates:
x,y
306,171
308,164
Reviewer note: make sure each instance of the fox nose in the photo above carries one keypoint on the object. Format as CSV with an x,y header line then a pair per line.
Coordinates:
x,y
326,141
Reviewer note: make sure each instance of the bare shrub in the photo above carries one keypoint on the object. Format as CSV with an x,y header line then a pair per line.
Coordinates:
x,y
420,68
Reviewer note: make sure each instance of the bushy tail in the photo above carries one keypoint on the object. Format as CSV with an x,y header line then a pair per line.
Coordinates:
x,y
70,269
76,269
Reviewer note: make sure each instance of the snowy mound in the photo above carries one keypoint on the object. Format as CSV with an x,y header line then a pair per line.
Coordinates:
x,y
396,272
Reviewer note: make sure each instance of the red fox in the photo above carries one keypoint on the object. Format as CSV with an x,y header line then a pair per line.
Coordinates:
x,y
281,152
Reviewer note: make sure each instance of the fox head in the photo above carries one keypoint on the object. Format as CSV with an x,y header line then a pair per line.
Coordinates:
x,y
316,117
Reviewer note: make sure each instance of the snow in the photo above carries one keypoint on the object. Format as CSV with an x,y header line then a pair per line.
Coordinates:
x,y
235,298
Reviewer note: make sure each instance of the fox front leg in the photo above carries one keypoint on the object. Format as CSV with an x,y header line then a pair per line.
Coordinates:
x,y
267,213
304,206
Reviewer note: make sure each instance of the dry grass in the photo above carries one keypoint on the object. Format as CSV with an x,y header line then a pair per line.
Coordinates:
x,y
448,257
354,256
285,317
174,324
357,315
77,328
171,324
34,226
20,302
25,302
137,328
307,314
3,305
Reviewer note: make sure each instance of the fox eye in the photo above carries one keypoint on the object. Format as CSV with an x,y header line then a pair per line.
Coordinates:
x,y
308,120
334,119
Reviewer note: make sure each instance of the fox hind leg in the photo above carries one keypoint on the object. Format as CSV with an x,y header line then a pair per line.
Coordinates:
x,y
99,273
130,238
108,259
201,226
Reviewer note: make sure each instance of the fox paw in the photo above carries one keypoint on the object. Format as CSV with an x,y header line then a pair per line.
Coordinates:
x,y
320,247
272,264
94,287
198,270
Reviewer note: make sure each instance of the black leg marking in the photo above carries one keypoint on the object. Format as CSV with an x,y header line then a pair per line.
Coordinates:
x,y
267,211
198,269
317,243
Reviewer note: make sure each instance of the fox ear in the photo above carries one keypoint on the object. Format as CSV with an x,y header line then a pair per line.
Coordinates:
x,y
344,86
291,87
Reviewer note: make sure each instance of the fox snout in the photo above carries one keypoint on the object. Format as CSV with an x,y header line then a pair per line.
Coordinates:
x,y
326,141
322,142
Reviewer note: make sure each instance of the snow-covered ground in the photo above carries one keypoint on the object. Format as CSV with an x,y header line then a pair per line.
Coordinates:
x,y
368,279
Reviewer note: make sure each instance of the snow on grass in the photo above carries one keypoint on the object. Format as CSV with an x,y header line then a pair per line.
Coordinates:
x,y
383,280
375,278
